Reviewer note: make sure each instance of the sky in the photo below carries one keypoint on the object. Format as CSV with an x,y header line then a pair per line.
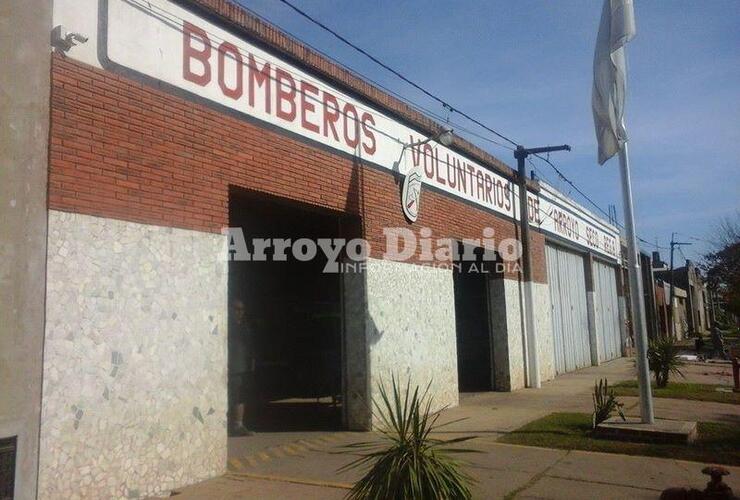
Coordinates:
x,y
524,68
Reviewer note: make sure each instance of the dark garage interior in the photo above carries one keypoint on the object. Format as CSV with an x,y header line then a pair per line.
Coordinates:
x,y
474,354
292,318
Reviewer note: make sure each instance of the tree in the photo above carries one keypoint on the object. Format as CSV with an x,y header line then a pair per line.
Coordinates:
x,y
722,265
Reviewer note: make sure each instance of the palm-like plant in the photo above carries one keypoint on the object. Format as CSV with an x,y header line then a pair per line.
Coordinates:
x,y
605,403
408,463
664,360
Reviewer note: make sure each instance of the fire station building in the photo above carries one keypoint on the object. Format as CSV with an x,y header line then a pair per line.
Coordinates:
x,y
170,121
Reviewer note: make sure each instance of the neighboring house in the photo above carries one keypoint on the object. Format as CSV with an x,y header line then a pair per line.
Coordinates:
x,y
681,325
690,306
689,279
661,304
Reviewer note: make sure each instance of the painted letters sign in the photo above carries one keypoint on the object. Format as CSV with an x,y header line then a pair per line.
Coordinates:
x,y
163,41
563,218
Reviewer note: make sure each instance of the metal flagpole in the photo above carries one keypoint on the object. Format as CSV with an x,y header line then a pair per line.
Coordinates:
x,y
636,293
617,28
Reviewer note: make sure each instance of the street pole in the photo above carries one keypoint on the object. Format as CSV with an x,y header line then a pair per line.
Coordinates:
x,y
673,291
674,244
636,293
533,366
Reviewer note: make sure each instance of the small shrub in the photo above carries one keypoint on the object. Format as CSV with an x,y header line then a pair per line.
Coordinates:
x,y
663,360
605,403
409,463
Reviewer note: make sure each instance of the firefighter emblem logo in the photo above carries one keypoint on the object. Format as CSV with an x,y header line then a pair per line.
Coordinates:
x,y
411,194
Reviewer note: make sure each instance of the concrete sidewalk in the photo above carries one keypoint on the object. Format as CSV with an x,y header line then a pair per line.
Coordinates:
x,y
305,464
502,471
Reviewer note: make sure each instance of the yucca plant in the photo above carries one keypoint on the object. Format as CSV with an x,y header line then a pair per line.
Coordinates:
x,y
408,463
605,403
663,360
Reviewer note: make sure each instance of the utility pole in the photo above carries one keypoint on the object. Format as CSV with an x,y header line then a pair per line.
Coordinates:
x,y
674,244
714,311
521,153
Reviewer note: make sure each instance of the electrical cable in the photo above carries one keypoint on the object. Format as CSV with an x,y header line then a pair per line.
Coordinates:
x,y
418,107
397,73
362,76
587,198
174,21
448,106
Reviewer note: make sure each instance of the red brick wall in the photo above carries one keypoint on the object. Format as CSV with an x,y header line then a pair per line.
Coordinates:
x,y
232,14
124,150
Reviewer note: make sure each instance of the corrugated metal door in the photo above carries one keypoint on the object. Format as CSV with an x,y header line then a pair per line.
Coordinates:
x,y
606,307
567,282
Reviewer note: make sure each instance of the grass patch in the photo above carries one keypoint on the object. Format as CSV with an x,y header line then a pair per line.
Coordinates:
x,y
681,390
717,443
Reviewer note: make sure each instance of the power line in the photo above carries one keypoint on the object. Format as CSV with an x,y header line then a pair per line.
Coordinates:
x,y
562,176
654,245
452,109
418,107
539,172
421,108
431,95
701,240
397,73
444,103
683,255
171,19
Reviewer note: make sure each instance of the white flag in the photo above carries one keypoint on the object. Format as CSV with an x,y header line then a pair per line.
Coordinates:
x,y
610,76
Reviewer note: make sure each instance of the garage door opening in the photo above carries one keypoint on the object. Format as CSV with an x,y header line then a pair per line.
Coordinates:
x,y
566,280
285,321
606,309
474,352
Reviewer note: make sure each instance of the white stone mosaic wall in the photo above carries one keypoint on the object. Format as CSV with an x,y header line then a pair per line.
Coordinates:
x,y
410,327
134,393
514,298
356,381
543,327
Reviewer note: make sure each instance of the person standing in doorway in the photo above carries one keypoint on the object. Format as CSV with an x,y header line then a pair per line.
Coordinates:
x,y
241,367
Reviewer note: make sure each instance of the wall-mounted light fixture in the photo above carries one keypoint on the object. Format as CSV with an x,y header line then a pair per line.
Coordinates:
x,y
65,40
444,137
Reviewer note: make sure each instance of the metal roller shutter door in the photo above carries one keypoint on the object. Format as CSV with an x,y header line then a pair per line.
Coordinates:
x,y
567,283
606,307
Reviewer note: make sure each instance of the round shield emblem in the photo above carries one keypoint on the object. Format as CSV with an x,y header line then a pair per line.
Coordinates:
x,y
411,195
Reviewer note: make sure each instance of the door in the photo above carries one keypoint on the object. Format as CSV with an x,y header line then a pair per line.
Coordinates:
x,y
606,307
472,317
567,283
